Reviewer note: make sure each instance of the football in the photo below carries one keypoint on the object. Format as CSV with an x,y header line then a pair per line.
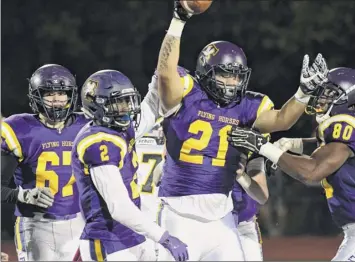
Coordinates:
x,y
196,6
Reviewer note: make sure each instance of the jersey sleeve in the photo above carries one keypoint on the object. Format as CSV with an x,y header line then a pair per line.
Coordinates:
x,y
339,128
102,149
10,142
187,82
254,104
266,104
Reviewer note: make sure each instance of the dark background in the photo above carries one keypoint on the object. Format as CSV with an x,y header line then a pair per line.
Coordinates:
x,y
87,35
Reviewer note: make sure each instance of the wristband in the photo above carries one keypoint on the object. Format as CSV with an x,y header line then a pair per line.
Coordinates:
x,y
176,27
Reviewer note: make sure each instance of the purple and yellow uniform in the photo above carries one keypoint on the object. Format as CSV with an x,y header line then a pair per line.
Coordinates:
x,y
199,159
340,186
44,160
98,146
44,157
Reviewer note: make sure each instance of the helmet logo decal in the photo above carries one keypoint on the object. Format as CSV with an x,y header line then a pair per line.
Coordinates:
x,y
90,86
210,50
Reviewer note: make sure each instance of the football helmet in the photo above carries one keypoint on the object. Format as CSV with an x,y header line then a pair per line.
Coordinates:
x,y
52,78
336,96
226,60
109,98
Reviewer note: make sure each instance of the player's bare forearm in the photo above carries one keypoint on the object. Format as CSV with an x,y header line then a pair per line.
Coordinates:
x,y
258,189
279,120
322,163
300,168
170,87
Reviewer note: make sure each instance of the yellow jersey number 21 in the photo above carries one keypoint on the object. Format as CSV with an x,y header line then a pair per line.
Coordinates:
x,y
199,144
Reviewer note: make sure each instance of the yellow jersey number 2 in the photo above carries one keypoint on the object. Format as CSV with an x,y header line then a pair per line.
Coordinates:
x,y
134,183
43,175
199,144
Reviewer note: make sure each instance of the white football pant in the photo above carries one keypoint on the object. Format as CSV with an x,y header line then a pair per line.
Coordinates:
x,y
346,251
42,239
206,240
250,239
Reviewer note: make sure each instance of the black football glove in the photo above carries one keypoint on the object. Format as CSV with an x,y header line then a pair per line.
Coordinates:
x,y
246,138
179,12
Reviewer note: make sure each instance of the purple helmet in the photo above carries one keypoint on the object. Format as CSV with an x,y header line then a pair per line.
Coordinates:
x,y
227,60
109,98
335,96
52,78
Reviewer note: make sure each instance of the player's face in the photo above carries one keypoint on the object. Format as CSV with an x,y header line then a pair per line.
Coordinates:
x,y
121,105
57,99
325,100
228,79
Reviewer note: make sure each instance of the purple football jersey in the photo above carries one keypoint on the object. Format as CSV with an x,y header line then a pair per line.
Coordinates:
x,y
340,186
199,159
44,157
245,208
96,146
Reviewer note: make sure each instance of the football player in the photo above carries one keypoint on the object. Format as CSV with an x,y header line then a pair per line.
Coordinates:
x,y
36,150
199,111
105,165
333,162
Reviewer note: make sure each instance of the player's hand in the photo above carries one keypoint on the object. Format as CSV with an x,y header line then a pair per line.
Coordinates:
x,y
247,138
39,196
242,165
314,75
179,12
176,247
294,145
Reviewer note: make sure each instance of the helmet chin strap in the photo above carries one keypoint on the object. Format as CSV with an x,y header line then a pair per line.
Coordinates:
x,y
87,113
